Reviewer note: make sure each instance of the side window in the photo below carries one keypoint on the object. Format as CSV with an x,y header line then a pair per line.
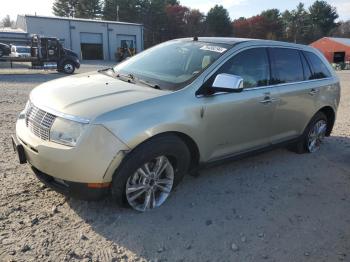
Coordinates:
x,y
306,67
286,65
318,67
252,65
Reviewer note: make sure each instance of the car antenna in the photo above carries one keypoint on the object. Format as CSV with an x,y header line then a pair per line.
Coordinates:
x,y
195,38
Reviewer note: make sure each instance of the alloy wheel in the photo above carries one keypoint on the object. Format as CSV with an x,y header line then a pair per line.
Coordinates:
x,y
316,135
150,185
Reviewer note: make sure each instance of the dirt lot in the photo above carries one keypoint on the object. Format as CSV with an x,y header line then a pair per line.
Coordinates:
x,y
21,68
277,206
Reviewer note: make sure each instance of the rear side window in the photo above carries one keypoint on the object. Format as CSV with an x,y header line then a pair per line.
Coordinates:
x,y
306,66
286,66
319,69
252,65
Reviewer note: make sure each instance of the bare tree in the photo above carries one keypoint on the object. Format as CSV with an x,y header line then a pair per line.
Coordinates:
x,y
343,30
7,22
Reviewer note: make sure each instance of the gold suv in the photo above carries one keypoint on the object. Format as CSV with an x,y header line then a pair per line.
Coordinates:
x,y
134,130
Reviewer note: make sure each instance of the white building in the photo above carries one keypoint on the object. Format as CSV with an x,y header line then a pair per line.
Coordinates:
x,y
91,39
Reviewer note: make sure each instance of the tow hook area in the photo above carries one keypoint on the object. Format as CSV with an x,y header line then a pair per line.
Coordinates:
x,y
18,148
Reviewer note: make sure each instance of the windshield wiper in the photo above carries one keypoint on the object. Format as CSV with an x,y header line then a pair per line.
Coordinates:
x,y
130,78
105,71
155,86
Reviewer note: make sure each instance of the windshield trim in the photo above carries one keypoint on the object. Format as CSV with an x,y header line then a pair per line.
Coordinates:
x,y
181,85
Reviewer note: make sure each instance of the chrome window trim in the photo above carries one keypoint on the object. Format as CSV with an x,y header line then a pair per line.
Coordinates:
x,y
63,115
290,83
270,86
231,53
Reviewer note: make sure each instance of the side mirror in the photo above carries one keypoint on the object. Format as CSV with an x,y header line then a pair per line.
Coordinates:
x,y
228,83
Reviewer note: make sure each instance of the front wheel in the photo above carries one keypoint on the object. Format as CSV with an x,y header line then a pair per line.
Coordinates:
x,y
313,136
150,172
1,52
68,67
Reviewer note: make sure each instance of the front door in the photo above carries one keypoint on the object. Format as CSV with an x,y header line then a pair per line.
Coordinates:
x,y
53,49
239,122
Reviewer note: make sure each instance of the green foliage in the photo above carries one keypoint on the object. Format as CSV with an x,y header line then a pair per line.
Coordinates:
x,y
296,24
273,24
322,19
218,21
129,10
88,9
65,8
167,19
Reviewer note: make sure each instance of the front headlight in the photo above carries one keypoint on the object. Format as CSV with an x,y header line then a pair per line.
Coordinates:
x,y
66,132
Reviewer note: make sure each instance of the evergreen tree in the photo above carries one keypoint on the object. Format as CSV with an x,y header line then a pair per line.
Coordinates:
x,y
65,8
88,9
218,21
296,24
322,19
128,10
273,24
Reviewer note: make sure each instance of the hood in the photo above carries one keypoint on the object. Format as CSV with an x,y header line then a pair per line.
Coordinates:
x,y
90,95
70,52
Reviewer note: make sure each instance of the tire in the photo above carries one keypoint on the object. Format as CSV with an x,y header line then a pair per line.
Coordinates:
x,y
68,67
1,52
131,173
304,144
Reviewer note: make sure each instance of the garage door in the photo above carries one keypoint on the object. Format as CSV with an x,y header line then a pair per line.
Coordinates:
x,y
91,45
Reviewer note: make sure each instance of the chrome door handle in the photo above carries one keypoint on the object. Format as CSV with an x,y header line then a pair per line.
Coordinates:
x,y
267,100
313,92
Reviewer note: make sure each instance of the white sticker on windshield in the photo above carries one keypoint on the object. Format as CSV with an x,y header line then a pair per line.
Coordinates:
x,y
213,48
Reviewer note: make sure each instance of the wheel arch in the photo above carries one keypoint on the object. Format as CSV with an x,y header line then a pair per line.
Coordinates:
x,y
188,140
330,114
192,147
68,59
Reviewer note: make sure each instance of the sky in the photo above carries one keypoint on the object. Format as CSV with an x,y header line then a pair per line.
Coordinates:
x,y
236,8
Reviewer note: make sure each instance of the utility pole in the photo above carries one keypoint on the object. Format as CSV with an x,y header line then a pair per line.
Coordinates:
x,y
117,12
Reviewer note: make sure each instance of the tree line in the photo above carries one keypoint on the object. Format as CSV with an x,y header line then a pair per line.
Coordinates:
x,y
168,19
299,25
162,19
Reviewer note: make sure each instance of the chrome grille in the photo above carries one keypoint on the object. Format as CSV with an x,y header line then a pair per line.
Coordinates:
x,y
39,121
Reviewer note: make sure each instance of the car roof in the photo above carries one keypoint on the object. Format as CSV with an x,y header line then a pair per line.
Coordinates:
x,y
235,40
218,40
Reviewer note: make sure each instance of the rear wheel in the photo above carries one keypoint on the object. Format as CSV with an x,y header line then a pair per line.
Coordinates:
x,y
150,172
1,52
313,136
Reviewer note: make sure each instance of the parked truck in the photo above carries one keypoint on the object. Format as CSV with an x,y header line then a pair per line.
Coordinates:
x,y
48,53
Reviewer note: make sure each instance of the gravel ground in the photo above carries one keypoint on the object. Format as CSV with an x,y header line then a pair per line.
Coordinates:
x,y
277,206
24,68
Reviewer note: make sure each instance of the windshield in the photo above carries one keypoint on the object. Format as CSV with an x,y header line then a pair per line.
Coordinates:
x,y
173,64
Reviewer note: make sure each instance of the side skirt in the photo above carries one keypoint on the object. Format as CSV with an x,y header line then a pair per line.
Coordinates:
x,y
241,155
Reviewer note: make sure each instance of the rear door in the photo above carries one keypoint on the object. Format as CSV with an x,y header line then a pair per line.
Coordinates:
x,y
290,70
